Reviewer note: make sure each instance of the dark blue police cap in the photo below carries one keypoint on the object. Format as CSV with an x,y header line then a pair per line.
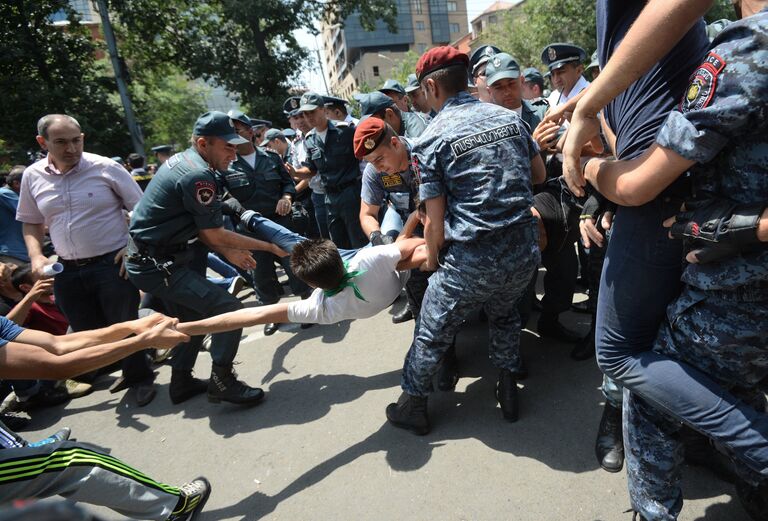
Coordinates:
x,y
501,66
373,102
239,115
555,55
481,55
413,84
291,104
217,124
392,86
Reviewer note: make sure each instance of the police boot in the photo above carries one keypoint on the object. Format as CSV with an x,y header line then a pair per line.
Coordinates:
x,y
404,315
549,326
754,499
410,413
225,387
506,395
448,374
184,386
609,446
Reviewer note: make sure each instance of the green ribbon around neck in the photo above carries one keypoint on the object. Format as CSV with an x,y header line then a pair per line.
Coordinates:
x,y
346,282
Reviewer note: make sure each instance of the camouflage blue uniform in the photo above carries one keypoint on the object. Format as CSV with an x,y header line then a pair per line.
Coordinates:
x,y
478,155
718,323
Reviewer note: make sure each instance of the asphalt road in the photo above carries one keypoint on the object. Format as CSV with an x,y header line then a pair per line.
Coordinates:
x,y
319,447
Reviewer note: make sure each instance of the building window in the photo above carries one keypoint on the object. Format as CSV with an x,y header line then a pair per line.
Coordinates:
x,y
455,28
376,70
422,48
419,25
451,7
492,19
416,6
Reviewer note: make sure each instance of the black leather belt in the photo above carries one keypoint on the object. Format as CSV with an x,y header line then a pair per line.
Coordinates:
x,y
337,189
159,252
79,263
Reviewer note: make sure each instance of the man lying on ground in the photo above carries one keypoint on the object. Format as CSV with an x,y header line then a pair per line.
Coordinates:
x,y
358,288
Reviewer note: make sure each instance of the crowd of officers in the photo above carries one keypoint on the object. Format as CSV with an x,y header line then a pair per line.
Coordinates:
x,y
478,146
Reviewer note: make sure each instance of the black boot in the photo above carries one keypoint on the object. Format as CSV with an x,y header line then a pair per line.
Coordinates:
x,y
225,387
184,386
506,395
754,499
585,348
549,326
271,328
609,446
410,413
404,315
448,374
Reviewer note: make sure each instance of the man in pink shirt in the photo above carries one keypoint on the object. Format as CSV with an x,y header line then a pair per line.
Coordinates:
x,y
82,198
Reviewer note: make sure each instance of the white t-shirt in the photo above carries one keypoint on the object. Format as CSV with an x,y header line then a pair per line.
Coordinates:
x,y
250,159
322,134
379,285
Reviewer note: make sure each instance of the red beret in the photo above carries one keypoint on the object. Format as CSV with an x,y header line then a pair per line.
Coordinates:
x,y
368,135
440,58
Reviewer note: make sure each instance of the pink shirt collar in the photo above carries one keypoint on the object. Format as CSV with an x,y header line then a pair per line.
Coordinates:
x,y
50,168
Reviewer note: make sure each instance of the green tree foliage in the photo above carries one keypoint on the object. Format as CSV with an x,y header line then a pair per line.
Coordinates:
x,y
404,67
247,47
47,68
524,34
169,105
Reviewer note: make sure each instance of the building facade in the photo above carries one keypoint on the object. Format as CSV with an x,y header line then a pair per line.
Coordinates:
x,y
353,57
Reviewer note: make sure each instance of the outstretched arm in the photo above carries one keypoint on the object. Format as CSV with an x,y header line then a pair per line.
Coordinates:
x,y
20,359
277,313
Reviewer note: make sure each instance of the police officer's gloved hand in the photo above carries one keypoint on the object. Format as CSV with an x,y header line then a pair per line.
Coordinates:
x,y
377,238
233,208
718,228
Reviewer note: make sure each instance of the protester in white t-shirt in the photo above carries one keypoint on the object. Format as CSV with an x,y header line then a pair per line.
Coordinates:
x,y
360,288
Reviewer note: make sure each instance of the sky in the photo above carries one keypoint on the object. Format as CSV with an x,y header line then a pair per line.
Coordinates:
x,y
312,78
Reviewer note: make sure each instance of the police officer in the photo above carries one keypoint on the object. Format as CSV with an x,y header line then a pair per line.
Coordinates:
x,y
389,183
162,153
181,206
475,163
476,69
556,208
336,110
259,180
394,90
565,64
376,104
503,80
533,87
314,202
416,97
330,156
718,133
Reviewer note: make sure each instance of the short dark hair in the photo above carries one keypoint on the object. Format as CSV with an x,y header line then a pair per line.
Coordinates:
x,y
16,173
452,78
135,160
22,275
317,262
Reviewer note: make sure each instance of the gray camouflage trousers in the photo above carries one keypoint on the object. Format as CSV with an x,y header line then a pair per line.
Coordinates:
x,y
725,336
492,272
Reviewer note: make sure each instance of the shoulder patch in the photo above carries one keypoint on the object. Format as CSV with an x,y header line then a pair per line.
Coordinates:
x,y
703,83
485,138
174,160
205,192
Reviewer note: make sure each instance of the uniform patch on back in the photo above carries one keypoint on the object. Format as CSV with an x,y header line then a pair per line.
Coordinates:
x,y
205,192
703,83
173,160
485,138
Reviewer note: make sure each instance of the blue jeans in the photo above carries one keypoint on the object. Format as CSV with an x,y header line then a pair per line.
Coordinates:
x,y
95,296
641,275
